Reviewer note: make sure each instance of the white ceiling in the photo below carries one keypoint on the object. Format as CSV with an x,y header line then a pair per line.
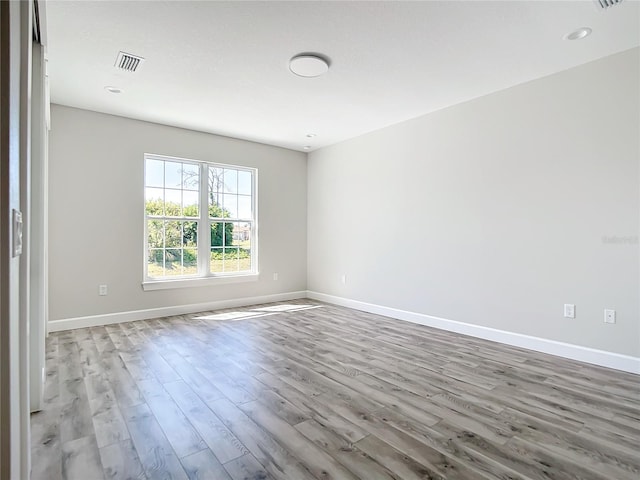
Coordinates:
x,y
222,67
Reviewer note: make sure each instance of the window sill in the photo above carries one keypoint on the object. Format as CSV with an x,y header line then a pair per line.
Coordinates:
x,y
197,282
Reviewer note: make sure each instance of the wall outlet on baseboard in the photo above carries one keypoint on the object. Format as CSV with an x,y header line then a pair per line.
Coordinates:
x,y
569,310
102,290
609,316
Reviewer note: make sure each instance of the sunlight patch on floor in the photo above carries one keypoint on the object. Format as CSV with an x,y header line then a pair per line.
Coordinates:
x,y
257,312
285,308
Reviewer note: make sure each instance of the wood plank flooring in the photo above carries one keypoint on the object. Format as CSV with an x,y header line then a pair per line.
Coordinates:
x,y
303,390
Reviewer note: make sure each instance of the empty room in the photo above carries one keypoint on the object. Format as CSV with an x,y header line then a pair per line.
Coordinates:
x,y
290,240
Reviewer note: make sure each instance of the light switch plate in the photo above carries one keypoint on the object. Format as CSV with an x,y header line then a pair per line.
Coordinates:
x,y
16,249
569,310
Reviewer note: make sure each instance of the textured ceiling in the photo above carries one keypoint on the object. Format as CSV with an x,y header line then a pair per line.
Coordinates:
x,y
222,67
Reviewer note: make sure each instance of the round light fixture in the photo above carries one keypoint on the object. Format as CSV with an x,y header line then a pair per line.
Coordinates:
x,y
578,34
307,147
112,89
306,65
311,135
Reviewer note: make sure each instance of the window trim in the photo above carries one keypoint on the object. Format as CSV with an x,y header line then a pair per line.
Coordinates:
x,y
204,222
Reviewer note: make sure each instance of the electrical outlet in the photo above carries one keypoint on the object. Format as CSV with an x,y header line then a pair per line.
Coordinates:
x,y
275,276
569,310
609,316
343,278
102,290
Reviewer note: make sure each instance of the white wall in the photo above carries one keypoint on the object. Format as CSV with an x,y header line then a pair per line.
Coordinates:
x,y
96,209
494,212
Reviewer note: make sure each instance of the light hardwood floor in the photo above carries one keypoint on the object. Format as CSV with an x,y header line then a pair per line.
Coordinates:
x,y
302,390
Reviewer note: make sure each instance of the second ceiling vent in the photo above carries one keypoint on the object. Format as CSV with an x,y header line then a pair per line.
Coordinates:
x,y
128,62
604,4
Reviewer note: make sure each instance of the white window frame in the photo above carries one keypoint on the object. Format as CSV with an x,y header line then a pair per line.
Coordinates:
x,y
204,276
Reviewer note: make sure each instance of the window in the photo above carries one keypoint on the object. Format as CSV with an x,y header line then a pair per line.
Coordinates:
x,y
199,219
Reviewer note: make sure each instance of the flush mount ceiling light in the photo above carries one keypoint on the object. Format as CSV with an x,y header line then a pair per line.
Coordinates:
x,y
307,65
111,89
307,147
578,34
311,135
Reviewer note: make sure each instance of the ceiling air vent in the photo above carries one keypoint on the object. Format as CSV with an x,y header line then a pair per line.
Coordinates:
x,y
128,62
604,4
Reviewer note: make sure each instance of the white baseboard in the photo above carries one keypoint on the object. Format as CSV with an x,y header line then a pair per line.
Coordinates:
x,y
119,317
602,358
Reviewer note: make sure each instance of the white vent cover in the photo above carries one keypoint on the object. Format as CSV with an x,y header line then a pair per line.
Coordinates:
x,y
604,4
128,62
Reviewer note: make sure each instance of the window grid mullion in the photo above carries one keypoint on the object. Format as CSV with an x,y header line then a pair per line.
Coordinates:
x,y
204,238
